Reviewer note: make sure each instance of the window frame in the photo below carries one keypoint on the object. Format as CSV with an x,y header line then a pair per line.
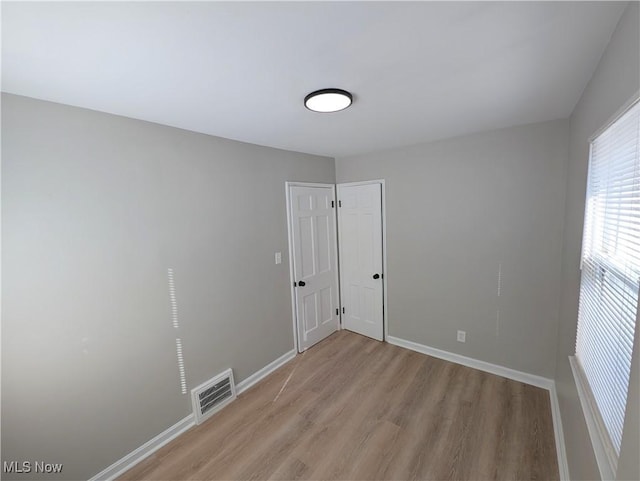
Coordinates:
x,y
604,449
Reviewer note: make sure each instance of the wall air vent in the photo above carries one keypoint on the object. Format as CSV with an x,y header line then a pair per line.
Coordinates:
x,y
209,397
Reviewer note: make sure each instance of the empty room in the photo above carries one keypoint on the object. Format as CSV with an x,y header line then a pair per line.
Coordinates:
x,y
320,240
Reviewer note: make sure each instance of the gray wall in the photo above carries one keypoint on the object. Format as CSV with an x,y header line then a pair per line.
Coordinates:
x,y
458,212
614,82
95,209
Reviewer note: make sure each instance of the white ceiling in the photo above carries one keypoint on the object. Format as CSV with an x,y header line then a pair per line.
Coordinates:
x,y
419,71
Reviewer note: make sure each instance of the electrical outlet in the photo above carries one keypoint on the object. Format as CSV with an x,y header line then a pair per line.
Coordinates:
x,y
278,257
462,336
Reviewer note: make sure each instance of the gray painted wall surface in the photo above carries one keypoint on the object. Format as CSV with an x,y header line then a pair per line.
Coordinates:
x,y
615,81
459,212
95,209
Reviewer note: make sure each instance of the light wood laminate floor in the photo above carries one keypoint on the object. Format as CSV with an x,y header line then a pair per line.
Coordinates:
x,y
357,409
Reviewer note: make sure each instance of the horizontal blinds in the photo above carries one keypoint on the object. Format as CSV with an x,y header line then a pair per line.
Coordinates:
x,y
611,270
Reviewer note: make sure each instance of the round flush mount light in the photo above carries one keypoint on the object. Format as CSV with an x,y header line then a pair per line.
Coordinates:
x,y
328,100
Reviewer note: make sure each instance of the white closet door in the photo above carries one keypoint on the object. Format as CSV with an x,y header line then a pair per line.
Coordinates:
x,y
315,263
360,230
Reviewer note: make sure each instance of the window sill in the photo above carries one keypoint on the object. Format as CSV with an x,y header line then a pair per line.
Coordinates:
x,y
605,457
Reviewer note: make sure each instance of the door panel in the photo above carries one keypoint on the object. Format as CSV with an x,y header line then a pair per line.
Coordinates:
x,y
360,228
314,263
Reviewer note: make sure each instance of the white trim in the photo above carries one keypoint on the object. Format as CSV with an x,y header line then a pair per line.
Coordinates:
x,y
258,376
616,115
151,446
385,314
292,273
520,376
385,303
606,465
361,182
558,432
531,379
147,449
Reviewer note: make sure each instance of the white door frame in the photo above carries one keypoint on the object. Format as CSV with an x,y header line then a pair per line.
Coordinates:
x,y
292,272
385,317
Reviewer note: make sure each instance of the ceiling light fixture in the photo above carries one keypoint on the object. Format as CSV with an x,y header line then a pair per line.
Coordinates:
x,y
328,100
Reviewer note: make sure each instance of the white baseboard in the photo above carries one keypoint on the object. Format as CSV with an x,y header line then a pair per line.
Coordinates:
x,y
520,376
538,381
147,449
151,446
256,377
563,465
133,458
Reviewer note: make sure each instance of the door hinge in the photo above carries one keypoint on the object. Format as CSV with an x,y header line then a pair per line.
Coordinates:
x,y
339,203
337,311
295,284
343,310
332,204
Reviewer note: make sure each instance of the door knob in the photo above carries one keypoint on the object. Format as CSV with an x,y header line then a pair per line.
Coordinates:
x,y
302,283
376,276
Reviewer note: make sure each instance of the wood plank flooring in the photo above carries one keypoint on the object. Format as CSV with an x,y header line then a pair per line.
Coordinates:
x,y
352,408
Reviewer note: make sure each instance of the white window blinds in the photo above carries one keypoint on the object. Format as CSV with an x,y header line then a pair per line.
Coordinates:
x,y
611,272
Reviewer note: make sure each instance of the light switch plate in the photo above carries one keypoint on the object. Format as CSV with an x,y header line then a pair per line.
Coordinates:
x,y
278,257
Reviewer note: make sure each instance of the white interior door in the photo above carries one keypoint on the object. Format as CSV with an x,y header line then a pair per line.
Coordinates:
x,y
360,230
315,265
